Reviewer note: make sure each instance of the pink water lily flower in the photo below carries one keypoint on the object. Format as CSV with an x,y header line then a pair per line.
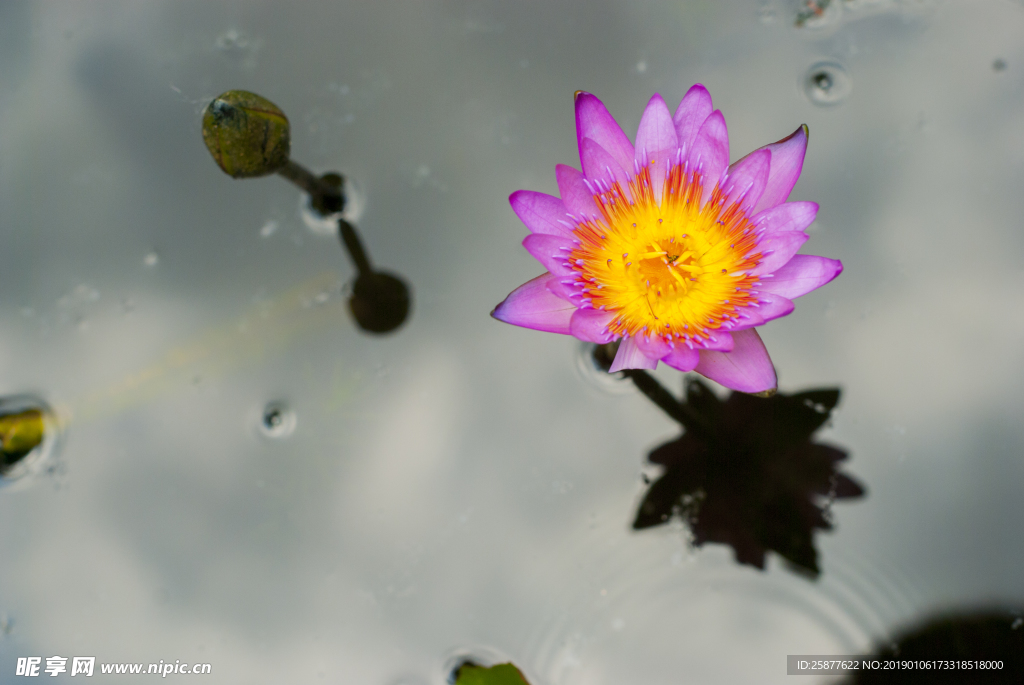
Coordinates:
x,y
667,248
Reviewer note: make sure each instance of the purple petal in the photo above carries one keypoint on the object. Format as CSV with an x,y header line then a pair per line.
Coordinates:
x,y
778,248
682,358
773,306
769,306
691,113
541,213
656,132
710,152
656,143
599,165
532,305
722,341
787,163
789,216
593,121
591,325
748,368
629,356
802,274
568,292
658,165
746,179
575,195
653,347
552,251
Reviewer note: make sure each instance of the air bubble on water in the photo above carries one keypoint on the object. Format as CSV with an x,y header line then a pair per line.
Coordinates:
x,y
277,421
269,228
827,84
321,224
151,259
327,225
592,373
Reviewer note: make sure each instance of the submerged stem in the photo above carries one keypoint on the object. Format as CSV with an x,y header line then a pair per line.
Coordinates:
x,y
678,410
355,247
656,392
324,191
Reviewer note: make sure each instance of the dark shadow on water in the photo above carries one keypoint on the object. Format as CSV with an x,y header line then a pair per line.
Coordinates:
x,y
380,301
746,471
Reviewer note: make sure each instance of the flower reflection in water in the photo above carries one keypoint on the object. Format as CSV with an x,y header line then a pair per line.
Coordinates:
x,y
746,471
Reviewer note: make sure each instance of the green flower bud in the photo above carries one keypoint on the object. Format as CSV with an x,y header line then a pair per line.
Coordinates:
x,y
247,135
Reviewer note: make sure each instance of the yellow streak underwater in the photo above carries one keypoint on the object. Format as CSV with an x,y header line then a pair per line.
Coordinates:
x,y
265,327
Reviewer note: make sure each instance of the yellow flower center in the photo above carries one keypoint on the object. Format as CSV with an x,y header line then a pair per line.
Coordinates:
x,y
675,269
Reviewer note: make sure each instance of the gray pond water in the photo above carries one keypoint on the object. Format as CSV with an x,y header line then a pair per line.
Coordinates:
x,y
237,475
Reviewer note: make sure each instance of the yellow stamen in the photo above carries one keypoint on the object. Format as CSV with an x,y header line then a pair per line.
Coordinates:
x,y
678,263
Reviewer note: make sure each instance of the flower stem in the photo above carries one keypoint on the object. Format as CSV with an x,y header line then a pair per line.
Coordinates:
x,y
303,178
656,392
